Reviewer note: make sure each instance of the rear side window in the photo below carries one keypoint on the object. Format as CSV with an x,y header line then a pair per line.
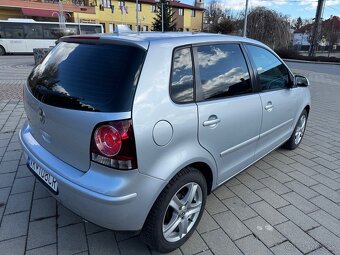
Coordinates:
x,y
2,32
88,77
182,78
271,72
223,71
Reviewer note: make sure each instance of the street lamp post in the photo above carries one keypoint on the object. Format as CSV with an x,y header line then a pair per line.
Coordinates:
x,y
137,30
245,20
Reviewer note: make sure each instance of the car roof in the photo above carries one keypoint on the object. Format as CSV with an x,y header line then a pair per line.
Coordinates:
x,y
143,39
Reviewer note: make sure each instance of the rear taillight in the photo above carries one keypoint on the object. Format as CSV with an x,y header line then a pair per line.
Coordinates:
x,y
113,145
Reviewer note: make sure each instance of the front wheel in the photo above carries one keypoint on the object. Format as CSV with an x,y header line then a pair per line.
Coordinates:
x,y
176,212
296,138
2,51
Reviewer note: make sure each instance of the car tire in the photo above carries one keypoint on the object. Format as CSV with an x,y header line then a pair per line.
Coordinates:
x,y
299,130
2,51
167,228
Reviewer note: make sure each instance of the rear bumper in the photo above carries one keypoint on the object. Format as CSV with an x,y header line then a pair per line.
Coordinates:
x,y
118,200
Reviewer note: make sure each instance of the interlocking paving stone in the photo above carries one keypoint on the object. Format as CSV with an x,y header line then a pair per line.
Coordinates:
x,y
72,239
13,246
249,181
252,246
207,223
271,198
4,194
300,202
321,251
299,218
43,208
19,203
245,194
327,181
264,231
234,228
66,217
327,205
285,248
268,212
297,237
41,233
103,243
8,166
223,192
194,245
301,189
326,238
327,192
303,169
23,185
327,221
239,208
275,186
133,246
6,180
327,172
214,205
46,250
278,175
306,180
14,225
256,172
220,243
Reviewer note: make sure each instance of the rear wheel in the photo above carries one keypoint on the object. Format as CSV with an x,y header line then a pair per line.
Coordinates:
x,y
296,138
176,212
2,51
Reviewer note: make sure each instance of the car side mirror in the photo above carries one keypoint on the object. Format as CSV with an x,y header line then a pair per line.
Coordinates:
x,y
301,81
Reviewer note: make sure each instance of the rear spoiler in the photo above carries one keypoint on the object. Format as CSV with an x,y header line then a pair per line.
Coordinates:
x,y
112,39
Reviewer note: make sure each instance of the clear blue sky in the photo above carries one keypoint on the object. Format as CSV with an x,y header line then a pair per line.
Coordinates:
x,y
294,8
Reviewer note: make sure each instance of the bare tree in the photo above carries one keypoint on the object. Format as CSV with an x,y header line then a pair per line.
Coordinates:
x,y
269,27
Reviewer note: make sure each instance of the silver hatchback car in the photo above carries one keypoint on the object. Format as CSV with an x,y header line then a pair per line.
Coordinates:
x,y
133,131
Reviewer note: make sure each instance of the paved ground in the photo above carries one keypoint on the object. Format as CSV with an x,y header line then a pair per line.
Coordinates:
x,y
287,203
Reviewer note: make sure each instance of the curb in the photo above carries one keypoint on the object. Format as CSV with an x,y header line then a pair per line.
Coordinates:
x,y
311,62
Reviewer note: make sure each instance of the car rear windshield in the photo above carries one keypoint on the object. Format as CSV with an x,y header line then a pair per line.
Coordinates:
x,y
88,77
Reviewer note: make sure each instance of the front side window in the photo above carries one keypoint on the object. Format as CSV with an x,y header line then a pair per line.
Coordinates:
x,y
182,78
223,71
272,73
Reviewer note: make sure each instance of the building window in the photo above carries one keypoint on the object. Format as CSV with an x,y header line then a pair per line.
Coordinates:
x,y
181,12
193,13
139,7
152,8
105,4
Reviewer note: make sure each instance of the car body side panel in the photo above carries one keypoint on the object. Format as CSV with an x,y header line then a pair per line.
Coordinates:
x,y
152,104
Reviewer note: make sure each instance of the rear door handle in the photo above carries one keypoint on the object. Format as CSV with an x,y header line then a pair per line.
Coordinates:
x,y
269,107
212,121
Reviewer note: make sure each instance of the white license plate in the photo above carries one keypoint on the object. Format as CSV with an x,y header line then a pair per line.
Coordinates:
x,y
48,179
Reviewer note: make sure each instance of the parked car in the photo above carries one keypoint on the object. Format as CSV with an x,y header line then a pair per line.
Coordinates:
x,y
132,132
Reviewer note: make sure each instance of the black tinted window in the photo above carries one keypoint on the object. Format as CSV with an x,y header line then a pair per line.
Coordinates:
x,y
88,29
48,31
14,31
271,72
89,77
33,31
182,81
223,71
2,32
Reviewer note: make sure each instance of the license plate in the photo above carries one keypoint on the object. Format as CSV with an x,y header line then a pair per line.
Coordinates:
x,y
44,176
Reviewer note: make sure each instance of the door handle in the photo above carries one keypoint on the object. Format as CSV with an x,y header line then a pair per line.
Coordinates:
x,y
212,121
269,107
